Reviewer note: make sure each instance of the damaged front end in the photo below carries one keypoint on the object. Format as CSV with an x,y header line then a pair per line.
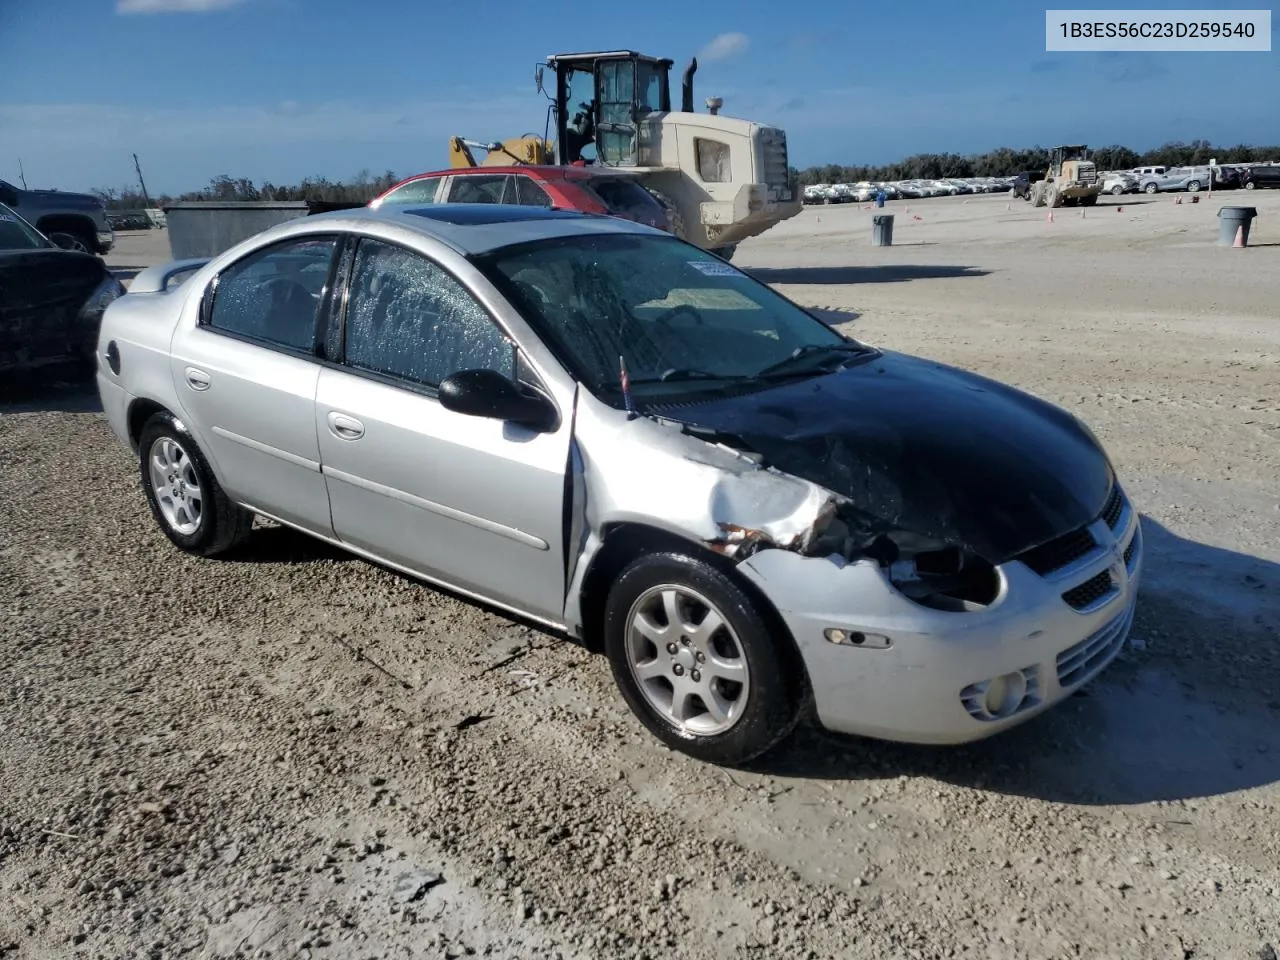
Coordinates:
x,y
713,491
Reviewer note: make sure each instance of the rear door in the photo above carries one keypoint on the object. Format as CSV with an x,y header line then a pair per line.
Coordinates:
x,y
245,369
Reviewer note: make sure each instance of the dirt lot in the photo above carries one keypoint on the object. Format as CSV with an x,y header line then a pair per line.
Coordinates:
x,y
277,754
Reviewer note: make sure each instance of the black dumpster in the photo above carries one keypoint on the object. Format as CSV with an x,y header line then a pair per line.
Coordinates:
x,y
206,228
1232,219
882,230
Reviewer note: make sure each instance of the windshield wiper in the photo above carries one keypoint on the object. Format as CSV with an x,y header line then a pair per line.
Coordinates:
x,y
808,359
689,373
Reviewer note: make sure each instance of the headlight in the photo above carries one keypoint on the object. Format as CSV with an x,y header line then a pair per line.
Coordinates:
x,y
713,160
107,291
934,573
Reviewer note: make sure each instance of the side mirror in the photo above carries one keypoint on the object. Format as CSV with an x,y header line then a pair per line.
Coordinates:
x,y
488,394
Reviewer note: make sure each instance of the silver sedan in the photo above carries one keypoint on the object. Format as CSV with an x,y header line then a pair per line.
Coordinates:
x,y
595,425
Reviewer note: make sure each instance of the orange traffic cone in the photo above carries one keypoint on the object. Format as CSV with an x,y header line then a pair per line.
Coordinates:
x,y
1119,209
1239,236
1082,213
1050,217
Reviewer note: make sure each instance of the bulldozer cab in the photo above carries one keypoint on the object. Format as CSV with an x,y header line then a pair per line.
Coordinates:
x,y
1061,155
598,103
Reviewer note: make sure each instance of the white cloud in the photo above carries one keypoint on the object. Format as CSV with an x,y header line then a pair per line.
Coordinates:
x,y
173,6
724,46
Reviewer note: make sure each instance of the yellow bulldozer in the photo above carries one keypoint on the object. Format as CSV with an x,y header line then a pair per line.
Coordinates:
x,y
722,179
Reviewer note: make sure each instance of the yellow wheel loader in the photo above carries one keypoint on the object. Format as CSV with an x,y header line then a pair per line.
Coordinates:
x,y
1072,178
722,179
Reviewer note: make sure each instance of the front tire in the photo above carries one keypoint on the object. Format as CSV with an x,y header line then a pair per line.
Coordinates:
x,y
184,496
1151,188
694,659
73,239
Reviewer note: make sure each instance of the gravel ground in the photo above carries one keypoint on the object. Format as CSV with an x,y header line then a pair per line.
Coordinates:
x,y
291,752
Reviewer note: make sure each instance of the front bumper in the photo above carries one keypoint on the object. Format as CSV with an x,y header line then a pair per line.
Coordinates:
x,y
106,239
930,683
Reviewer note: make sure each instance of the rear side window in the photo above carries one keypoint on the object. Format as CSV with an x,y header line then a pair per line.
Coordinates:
x,y
416,191
481,189
623,197
273,295
529,194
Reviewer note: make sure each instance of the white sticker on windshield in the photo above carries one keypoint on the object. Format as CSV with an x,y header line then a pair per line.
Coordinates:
x,y
5,218
714,268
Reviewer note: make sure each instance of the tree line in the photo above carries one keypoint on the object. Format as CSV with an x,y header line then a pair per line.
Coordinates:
x,y
359,189
1008,161
1002,162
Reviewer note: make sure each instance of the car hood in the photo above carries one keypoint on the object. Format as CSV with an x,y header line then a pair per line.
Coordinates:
x,y
36,279
923,447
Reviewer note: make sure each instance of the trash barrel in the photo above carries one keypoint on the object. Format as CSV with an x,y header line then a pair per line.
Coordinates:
x,y
1231,219
879,199
882,230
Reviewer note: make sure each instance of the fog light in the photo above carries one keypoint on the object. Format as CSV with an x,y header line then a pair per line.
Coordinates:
x,y
856,638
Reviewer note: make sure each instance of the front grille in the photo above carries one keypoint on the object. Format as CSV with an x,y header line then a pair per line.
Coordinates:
x,y
1060,552
1077,663
776,167
1087,174
1090,592
1114,507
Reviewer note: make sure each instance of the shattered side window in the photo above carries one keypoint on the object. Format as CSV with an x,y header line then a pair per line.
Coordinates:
x,y
409,318
273,294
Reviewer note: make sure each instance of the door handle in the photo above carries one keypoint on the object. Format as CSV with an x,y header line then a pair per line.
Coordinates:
x,y
344,427
197,379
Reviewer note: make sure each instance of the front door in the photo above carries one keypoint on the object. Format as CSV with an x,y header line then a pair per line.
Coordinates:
x,y
245,369
475,503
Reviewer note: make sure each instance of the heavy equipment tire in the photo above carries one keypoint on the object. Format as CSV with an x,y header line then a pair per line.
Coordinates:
x,y
1052,197
1089,201
726,252
673,213
1037,195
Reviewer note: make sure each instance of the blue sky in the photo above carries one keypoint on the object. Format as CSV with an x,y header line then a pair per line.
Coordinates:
x,y
282,89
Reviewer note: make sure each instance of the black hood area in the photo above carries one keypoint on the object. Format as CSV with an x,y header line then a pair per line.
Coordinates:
x,y
924,447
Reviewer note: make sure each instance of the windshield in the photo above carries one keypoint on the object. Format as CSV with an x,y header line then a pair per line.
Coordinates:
x,y
680,319
17,234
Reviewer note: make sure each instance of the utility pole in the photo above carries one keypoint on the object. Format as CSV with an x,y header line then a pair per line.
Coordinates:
x,y
22,174
142,183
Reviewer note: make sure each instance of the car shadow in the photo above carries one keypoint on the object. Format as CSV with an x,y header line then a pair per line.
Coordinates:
x,y
1194,713
884,273
51,389
271,542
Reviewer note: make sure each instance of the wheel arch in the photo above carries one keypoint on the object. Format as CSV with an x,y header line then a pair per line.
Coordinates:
x,y
624,541
68,222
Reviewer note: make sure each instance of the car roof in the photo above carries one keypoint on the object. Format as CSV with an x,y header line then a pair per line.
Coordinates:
x,y
477,228
538,171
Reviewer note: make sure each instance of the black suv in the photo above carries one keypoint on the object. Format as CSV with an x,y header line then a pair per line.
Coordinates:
x,y
1023,181
1260,177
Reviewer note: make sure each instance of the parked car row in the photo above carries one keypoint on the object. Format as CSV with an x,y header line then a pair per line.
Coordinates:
x,y
866,190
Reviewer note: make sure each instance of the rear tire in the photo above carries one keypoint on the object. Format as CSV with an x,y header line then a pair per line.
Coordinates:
x,y
731,690
1249,185
74,239
185,498
1117,190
